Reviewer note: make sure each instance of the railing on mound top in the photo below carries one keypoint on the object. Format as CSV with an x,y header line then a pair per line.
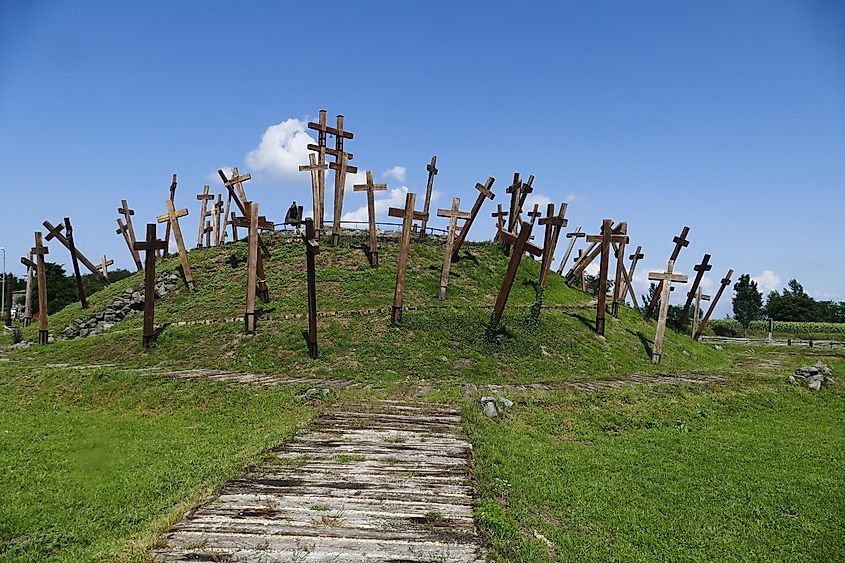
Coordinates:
x,y
285,227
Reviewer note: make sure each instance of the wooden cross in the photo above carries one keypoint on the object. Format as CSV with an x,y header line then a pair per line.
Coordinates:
x,y
104,265
216,211
207,232
725,282
699,297
704,266
234,190
261,223
665,278
432,172
680,242
204,197
520,245
341,168
514,190
234,227
534,213
27,308
621,280
39,250
320,148
499,215
484,192
150,246
370,187
80,288
608,235
338,132
408,216
251,267
525,189
128,231
573,237
172,220
312,249
554,224
586,258
635,258
318,178
167,228
56,232
453,214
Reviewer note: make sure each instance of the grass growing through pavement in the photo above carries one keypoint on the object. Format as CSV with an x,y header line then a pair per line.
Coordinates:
x,y
731,473
95,463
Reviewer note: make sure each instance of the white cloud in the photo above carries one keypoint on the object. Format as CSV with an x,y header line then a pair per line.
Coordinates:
x,y
575,198
825,295
767,281
394,197
214,179
282,149
397,172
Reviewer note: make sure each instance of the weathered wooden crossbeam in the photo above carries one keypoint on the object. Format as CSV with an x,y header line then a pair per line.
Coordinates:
x,y
680,243
318,184
520,245
699,297
39,251
408,217
666,279
371,187
635,258
553,223
168,227
451,231
484,192
56,232
204,197
172,219
621,280
431,168
80,288
608,235
715,301
104,264
151,245
700,269
573,238
312,248
128,231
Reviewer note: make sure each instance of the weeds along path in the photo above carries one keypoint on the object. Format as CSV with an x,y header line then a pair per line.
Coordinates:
x,y
382,481
598,384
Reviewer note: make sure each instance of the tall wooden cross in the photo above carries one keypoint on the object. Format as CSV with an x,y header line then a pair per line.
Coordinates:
x,y
167,229
408,217
234,227
341,164
104,265
635,258
320,162
312,248
370,187
604,240
725,282
261,223
665,278
207,232
499,215
534,213
520,245
204,197
554,224
453,214
235,190
525,189
39,250
128,231
27,307
341,168
172,219
680,242
150,246
56,232
484,192
432,172
251,267
699,297
80,288
704,266
318,178
573,238
621,280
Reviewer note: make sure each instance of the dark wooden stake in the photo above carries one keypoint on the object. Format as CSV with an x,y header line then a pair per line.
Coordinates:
x,y
409,215
56,232
432,172
150,246
251,268
665,278
172,220
312,248
167,229
39,250
699,297
80,288
453,214
128,231
204,197
700,269
484,192
680,242
620,280
608,235
554,224
370,187
573,238
520,245
725,282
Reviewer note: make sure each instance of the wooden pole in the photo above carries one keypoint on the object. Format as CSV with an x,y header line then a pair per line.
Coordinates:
x,y
129,231
252,261
699,297
725,282
27,308
432,172
104,265
520,245
667,278
608,235
39,250
172,220
484,192
80,288
680,242
370,187
150,246
204,197
312,248
619,280
700,269
554,224
453,214
408,215
167,229
573,237
56,232
635,258
317,170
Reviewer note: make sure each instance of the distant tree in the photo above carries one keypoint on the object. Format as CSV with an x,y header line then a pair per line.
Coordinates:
x,y
592,284
747,301
793,305
61,290
673,315
830,312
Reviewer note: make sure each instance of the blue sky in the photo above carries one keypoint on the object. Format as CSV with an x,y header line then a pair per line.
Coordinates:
x,y
725,116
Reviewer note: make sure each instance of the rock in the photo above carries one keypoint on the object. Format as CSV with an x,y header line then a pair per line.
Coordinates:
x,y
829,380
507,403
314,393
823,368
83,332
136,296
490,409
792,380
717,347
22,344
684,352
815,384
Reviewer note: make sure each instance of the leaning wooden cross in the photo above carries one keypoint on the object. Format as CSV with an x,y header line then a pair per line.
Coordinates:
x,y
216,217
699,297
320,168
665,278
80,288
432,172
621,280
104,264
370,187
318,176
484,192
554,224
520,245
128,231
573,238
56,232
635,258
262,224
499,215
204,197
680,243
700,269
408,217
312,249
167,229
172,220
27,307
585,258
39,250
604,240
725,282
234,190
453,214
150,246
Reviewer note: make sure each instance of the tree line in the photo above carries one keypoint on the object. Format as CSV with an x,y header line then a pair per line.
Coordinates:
x,y
791,304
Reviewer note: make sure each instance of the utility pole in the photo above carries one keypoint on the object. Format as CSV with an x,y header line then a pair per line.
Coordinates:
x,y
3,308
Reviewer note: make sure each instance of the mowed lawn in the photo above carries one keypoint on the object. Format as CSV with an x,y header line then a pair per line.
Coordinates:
x,y
733,473
94,464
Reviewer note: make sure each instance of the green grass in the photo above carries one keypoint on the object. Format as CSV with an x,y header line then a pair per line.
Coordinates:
x,y
95,464
739,473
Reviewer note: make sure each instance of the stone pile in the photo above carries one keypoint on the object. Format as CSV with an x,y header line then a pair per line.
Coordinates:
x,y
129,302
813,376
489,405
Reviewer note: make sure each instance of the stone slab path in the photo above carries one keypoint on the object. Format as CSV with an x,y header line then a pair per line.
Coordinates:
x,y
381,482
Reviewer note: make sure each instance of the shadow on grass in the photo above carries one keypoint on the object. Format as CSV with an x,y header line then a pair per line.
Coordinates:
x,y
584,320
645,341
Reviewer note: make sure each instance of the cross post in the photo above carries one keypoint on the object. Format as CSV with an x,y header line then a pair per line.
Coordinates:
x,y
104,265
27,307
484,192
665,278
128,231
554,224
172,220
699,297
499,215
150,246
608,235
318,175
680,242
573,238
370,187
167,228
39,250
80,288
620,281
725,282
432,172
408,216
312,248
453,214
56,232
635,258
700,269
520,245
204,197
